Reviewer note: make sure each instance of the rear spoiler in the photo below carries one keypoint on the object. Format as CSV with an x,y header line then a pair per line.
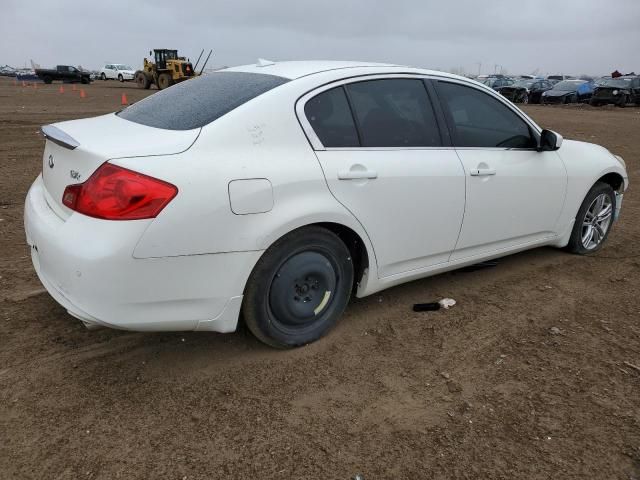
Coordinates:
x,y
58,136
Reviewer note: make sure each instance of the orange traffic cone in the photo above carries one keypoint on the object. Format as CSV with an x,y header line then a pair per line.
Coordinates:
x,y
61,90
24,84
123,99
82,94
73,87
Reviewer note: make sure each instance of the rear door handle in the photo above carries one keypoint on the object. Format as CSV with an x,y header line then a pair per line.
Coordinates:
x,y
481,172
357,174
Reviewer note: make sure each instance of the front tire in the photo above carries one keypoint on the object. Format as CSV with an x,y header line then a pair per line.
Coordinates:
x,y
299,288
120,78
594,220
142,80
103,77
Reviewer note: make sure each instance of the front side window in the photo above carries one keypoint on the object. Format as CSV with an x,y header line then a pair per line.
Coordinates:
x,y
331,119
394,113
476,119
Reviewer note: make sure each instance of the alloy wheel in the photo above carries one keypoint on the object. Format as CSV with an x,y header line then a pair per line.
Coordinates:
x,y
596,222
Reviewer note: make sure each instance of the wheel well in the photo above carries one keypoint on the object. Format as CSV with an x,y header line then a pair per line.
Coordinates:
x,y
613,179
355,245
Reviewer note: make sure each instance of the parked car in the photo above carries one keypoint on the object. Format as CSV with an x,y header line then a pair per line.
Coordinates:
x,y
560,78
117,71
64,73
619,91
568,91
283,188
498,82
526,91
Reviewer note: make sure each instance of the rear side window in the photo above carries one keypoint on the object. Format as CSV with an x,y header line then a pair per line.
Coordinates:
x,y
479,120
198,102
331,119
394,113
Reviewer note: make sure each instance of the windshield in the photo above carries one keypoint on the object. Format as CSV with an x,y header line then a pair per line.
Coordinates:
x,y
615,82
490,81
567,86
198,102
123,67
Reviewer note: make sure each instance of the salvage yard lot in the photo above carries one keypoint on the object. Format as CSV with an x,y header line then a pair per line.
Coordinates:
x,y
532,375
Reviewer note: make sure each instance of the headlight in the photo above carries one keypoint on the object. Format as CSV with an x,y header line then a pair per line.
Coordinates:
x,y
544,94
615,92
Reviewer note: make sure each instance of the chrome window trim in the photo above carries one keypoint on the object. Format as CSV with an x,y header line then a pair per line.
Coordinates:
x,y
317,145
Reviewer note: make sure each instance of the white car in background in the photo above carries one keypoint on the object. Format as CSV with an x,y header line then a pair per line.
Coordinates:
x,y
281,189
117,71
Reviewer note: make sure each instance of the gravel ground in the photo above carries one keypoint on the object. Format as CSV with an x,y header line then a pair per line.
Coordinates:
x,y
533,375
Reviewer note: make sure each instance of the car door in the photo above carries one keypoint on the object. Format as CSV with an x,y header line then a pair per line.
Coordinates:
x,y
515,194
379,144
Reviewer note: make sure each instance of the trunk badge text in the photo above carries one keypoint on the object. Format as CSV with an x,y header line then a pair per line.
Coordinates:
x,y
51,164
75,175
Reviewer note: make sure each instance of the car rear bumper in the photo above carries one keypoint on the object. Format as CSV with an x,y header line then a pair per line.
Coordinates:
x,y
87,266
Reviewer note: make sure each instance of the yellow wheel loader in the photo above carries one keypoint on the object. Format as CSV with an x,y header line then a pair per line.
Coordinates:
x,y
165,68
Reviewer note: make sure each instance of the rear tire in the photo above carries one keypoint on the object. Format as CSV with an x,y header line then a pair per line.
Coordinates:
x,y
594,220
164,81
299,288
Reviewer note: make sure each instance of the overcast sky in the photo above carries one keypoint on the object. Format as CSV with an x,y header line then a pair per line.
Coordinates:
x,y
521,36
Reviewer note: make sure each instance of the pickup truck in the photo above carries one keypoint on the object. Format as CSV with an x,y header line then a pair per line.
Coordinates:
x,y
65,73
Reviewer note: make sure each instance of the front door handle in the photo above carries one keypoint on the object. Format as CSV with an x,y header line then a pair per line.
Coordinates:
x,y
481,172
357,174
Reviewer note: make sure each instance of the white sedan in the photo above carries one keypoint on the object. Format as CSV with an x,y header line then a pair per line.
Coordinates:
x,y
280,189
117,71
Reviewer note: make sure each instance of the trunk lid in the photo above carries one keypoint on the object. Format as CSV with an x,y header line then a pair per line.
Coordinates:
x,y
75,149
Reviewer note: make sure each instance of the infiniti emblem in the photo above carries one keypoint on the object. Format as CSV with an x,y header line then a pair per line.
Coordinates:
x,y
51,164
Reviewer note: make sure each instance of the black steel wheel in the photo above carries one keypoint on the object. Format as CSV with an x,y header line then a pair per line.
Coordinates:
x,y
299,288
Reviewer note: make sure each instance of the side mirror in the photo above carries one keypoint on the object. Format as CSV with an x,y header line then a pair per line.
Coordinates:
x,y
549,141
150,53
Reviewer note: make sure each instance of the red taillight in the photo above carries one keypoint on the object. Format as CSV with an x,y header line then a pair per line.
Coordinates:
x,y
116,193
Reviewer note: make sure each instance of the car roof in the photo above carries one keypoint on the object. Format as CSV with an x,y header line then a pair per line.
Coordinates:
x,y
297,69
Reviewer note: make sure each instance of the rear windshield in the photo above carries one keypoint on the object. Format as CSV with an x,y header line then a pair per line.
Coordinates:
x,y
197,102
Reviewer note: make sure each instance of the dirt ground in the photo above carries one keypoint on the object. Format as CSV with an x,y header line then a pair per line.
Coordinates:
x,y
482,391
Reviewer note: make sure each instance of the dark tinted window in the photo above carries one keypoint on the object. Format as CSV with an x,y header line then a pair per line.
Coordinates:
x,y
394,113
331,119
479,120
195,103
